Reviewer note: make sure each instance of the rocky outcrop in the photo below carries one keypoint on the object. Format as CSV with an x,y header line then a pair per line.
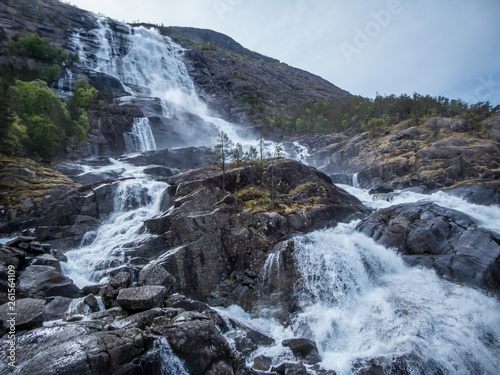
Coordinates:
x,y
443,239
75,213
303,348
46,281
148,333
108,124
437,153
26,189
209,232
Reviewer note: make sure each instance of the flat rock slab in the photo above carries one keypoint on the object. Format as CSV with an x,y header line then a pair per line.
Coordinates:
x,y
142,298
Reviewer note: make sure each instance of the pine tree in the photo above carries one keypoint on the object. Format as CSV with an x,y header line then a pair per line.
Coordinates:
x,y
220,155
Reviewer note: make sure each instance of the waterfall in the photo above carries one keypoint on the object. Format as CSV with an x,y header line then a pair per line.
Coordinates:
x,y
150,65
141,137
355,182
136,200
487,217
273,270
359,301
170,363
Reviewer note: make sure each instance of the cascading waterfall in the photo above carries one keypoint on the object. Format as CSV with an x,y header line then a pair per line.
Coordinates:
x,y
170,363
487,217
273,269
355,181
141,137
136,200
150,65
360,302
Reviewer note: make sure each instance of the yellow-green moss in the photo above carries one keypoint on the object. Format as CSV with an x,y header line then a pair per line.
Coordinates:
x,y
17,182
303,187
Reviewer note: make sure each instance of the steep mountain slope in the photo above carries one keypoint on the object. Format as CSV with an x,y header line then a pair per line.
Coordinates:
x,y
245,86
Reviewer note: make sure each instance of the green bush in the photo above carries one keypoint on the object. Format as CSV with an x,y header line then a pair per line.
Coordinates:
x,y
32,45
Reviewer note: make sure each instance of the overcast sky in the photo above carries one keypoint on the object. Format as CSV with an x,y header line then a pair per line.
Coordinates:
x,y
436,47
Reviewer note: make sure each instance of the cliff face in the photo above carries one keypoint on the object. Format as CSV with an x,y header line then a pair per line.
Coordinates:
x,y
51,19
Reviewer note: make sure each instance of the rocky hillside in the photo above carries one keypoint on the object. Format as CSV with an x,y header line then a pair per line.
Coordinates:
x,y
435,154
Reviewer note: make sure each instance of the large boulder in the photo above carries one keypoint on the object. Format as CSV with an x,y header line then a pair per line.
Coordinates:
x,y
141,298
197,341
76,213
76,349
443,239
47,281
303,348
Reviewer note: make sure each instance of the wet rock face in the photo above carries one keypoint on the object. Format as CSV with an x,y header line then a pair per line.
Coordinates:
x,y
46,281
29,314
303,348
213,236
97,351
35,270
76,213
435,237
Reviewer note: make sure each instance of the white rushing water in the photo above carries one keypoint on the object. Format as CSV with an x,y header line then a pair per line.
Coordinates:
x,y
153,67
141,137
487,217
359,301
136,199
170,363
